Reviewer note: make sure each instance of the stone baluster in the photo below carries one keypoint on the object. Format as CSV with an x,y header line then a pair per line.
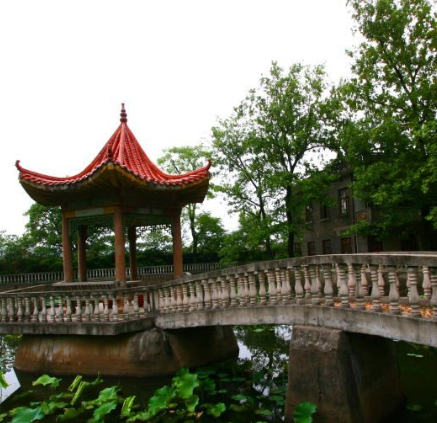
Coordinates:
x,y
351,280
105,309
60,311
364,281
344,289
207,298
298,288
20,312
185,299
4,310
426,284
246,289
114,307
43,309
193,299
96,310
434,295
278,280
166,298
86,317
262,288
34,317
381,280
215,293
199,295
414,294
359,291
27,309
315,300
68,311
172,307
179,299
78,308
286,286
252,288
11,310
271,281
328,289
394,293
136,311
125,306
376,292
226,292
52,310
162,300
233,291
307,285
241,290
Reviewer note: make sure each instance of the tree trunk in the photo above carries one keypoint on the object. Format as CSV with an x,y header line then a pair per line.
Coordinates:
x,y
289,215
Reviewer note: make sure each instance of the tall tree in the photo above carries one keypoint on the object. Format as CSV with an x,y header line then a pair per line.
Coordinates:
x,y
391,133
272,143
179,160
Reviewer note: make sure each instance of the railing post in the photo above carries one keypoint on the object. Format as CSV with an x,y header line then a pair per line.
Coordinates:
x,y
414,294
434,295
315,300
328,290
298,288
426,283
394,293
344,290
376,292
307,286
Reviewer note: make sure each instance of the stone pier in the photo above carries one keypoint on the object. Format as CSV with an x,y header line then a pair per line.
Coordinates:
x,y
351,378
150,353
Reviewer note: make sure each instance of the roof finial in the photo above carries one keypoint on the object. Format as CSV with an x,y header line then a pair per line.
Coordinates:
x,y
123,114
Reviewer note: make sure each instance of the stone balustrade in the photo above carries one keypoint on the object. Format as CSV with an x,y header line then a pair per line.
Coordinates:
x,y
396,285
163,272
78,306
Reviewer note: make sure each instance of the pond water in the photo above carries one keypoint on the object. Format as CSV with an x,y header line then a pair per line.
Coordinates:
x,y
252,387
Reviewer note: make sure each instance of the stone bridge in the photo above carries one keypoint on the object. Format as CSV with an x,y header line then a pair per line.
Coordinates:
x,y
388,295
342,306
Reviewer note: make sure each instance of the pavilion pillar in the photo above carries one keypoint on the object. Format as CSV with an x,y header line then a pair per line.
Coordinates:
x,y
132,234
120,258
67,254
81,253
177,246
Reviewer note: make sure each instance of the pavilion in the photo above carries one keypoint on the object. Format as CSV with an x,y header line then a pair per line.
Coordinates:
x,y
120,189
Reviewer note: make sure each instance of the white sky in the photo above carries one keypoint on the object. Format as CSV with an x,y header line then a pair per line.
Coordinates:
x,y
65,67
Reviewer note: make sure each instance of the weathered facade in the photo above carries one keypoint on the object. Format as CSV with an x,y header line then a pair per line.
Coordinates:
x,y
326,225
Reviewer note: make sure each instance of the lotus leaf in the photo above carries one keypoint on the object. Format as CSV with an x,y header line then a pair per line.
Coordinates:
x,y
28,415
216,410
47,380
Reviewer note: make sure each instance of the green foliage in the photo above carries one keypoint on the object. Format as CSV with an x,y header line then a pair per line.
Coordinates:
x,y
276,138
46,380
388,129
3,382
303,412
28,415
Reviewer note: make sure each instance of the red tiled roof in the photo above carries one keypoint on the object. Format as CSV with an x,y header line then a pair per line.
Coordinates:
x,y
123,150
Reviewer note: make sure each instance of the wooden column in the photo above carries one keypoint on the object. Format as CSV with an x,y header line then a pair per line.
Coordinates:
x,y
177,246
132,233
81,253
67,255
120,260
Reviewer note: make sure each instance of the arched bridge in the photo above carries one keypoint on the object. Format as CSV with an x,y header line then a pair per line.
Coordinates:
x,y
389,295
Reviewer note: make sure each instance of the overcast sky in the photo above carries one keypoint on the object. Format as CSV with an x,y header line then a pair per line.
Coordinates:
x,y
178,65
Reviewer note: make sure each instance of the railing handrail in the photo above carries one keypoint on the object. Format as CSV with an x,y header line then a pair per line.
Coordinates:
x,y
54,276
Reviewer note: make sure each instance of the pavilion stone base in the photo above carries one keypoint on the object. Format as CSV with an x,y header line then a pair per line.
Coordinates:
x,y
143,354
351,378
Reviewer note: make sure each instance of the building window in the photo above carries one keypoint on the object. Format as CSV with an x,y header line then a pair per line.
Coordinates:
x,y
326,246
373,245
343,202
311,248
309,214
324,211
297,249
346,245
